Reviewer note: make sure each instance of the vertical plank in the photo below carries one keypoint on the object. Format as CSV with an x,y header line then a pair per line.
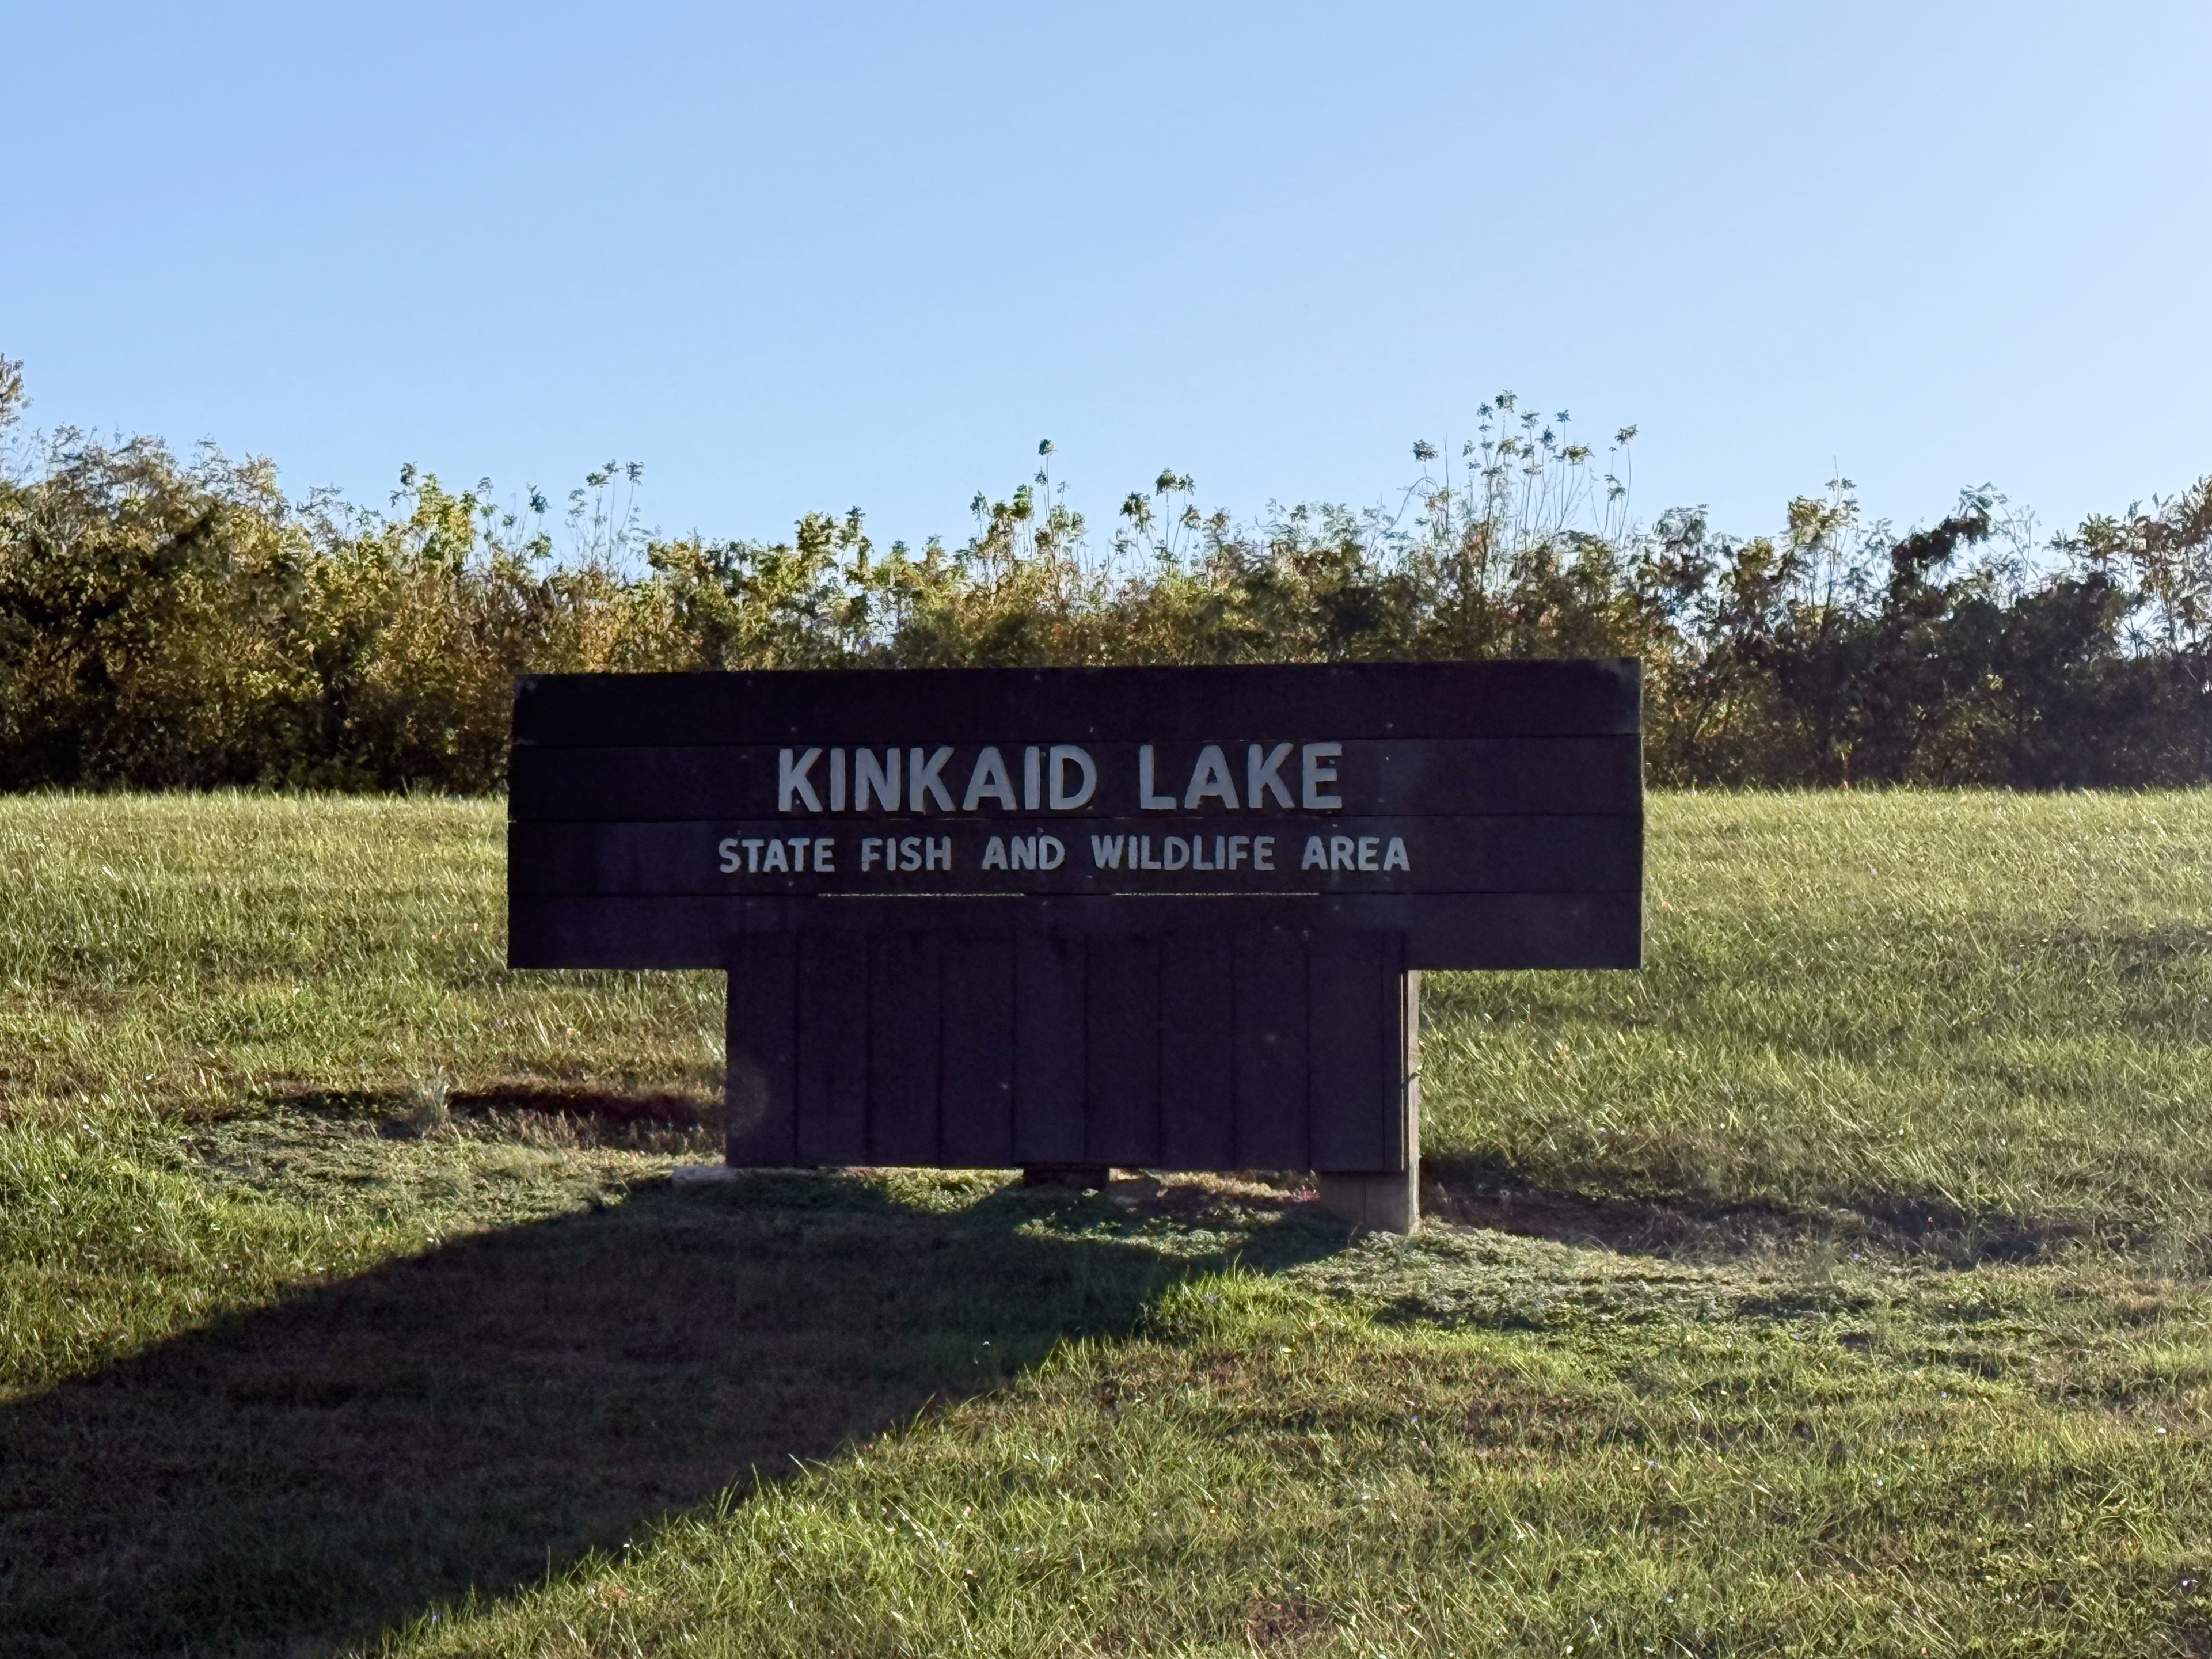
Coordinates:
x,y
905,1034
1049,1059
1270,989
1198,1070
832,1104
977,1100
762,1032
1121,1049
1354,1050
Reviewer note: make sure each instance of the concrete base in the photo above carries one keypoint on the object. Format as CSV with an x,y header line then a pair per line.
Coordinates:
x,y
1387,1203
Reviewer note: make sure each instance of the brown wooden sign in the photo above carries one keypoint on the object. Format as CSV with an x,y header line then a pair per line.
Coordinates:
x,y
1144,916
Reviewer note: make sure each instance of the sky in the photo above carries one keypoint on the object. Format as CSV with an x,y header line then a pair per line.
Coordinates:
x,y
799,256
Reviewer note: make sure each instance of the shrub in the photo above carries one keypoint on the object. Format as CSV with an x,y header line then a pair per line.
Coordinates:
x,y
166,623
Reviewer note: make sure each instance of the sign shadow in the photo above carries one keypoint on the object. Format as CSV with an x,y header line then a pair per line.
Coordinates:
x,y
303,1475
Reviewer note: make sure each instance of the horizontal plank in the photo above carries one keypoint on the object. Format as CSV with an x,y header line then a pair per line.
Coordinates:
x,y
1476,930
1552,698
1412,777
1115,855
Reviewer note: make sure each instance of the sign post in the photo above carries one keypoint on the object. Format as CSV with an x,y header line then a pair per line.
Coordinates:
x,y
1167,918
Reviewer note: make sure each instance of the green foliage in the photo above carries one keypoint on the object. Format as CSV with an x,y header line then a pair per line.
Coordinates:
x,y
166,623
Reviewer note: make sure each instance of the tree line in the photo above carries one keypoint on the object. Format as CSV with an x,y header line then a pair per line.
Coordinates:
x,y
170,622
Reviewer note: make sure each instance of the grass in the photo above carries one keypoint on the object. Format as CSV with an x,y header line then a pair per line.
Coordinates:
x,y
1836,1284
1985,1015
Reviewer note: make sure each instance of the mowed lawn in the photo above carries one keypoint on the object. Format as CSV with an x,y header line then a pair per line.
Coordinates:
x,y
1834,1285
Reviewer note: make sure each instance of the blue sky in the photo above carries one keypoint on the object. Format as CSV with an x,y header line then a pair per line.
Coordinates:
x,y
816,256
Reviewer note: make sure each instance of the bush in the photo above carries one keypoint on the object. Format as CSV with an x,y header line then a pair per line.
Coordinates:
x,y
174,624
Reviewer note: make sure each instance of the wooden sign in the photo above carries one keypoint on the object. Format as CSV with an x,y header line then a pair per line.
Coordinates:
x,y
1147,916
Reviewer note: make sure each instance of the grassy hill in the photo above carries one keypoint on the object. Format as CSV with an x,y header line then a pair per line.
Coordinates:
x,y
1836,1284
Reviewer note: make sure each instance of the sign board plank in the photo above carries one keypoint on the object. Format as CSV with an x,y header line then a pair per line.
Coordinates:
x,y
1423,775
905,1051
1123,1052
831,1075
1050,1072
1346,854
1352,1049
1463,930
978,1087
1268,1048
763,1052
1581,697
1198,1075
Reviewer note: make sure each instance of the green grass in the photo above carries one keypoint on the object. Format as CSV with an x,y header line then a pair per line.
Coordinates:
x,y
1841,1287
1987,1014
182,954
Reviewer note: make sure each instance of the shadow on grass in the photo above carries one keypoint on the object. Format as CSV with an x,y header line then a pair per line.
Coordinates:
x,y
306,1475
1478,1191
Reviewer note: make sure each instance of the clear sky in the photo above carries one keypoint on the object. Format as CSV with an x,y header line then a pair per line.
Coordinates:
x,y
814,255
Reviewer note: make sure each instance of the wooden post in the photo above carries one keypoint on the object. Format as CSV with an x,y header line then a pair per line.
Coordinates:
x,y
1389,1200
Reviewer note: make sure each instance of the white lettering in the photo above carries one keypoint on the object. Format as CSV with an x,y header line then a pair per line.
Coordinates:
x,y
883,777
1316,775
1394,855
940,853
1240,848
731,860
994,854
775,859
1106,852
989,778
1266,775
1177,853
1142,859
1369,846
1339,852
1263,851
825,851
836,779
910,851
1147,798
1198,854
871,847
791,780
1052,852
923,782
1315,857
799,845
1210,777
1032,778
1025,852
1065,755
752,854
